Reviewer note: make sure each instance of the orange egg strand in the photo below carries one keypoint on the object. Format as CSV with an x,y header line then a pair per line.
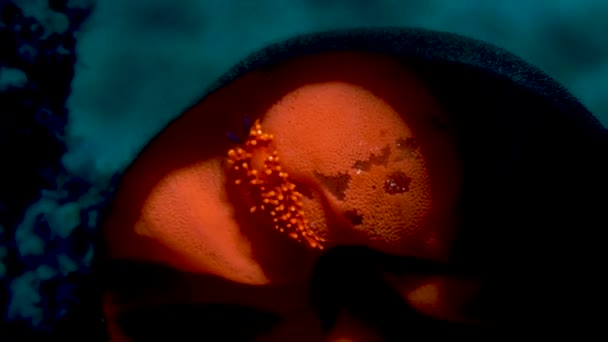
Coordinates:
x,y
269,187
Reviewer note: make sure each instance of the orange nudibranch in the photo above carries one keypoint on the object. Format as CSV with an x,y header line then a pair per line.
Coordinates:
x,y
345,150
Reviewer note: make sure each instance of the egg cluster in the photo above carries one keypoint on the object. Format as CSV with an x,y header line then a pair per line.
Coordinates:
x,y
257,170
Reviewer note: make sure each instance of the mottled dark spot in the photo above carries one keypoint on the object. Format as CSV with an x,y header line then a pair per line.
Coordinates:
x,y
353,217
361,165
407,147
381,159
337,184
396,183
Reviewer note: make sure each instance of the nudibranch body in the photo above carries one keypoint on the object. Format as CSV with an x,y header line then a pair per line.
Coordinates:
x,y
256,170
359,132
359,160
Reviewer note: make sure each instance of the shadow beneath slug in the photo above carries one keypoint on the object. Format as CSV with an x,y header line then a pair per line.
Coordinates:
x,y
182,322
351,279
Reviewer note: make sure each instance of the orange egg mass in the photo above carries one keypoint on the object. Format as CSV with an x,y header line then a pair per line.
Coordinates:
x,y
267,188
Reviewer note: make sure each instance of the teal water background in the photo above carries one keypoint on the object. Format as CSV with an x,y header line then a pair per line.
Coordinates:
x,y
142,62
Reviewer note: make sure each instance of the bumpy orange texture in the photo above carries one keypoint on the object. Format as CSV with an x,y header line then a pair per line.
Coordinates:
x,y
357,134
